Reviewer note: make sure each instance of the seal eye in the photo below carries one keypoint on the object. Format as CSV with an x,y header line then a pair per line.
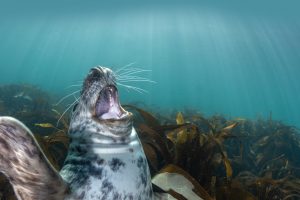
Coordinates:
x,y
74,107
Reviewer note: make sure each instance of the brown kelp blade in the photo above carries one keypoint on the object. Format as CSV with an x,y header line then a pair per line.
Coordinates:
x,y
151,155
150,136
44,125
234,191
171,127
227,167
179,118
149,118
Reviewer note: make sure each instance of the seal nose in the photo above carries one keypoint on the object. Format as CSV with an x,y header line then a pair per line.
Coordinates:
x,y
97,69
101,69
101,73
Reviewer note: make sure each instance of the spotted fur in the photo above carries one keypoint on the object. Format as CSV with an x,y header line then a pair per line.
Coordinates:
x,y
26,167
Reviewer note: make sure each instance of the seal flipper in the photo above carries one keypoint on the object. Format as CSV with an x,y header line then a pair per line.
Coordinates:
x,y
24,164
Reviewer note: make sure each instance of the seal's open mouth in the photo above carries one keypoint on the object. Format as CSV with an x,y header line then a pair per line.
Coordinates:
x,y
108,105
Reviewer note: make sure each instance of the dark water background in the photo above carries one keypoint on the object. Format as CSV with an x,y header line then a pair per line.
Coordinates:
x,y
240,59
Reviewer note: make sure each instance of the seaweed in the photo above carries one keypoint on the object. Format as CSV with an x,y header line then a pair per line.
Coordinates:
x,y
218,152
232,159
29,104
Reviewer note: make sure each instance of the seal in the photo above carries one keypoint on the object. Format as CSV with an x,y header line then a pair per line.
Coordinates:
x,y
105,158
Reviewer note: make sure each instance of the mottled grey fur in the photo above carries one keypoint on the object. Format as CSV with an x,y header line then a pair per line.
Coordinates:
x,y
26,167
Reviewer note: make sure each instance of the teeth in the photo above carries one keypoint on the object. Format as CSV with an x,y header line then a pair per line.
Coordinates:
x,y
111,103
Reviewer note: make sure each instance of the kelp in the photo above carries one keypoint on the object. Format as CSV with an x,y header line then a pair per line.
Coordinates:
x,y
216,151
29,104
234,159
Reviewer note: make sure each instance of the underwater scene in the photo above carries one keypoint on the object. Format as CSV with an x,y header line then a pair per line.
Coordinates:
x,y
213,88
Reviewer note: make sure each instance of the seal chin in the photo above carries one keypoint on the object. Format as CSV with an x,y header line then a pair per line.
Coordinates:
x,y
108,105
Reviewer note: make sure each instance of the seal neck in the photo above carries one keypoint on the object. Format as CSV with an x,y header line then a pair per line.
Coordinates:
x,y
104,145
117,128
96,138
89,129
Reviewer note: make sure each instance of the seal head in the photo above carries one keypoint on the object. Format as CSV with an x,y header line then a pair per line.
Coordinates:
x,y
99,107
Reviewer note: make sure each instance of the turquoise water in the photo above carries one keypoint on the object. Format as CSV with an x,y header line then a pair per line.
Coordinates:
x,y
240,60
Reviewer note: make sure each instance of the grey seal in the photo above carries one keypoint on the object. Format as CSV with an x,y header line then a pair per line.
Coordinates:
x,y
105,158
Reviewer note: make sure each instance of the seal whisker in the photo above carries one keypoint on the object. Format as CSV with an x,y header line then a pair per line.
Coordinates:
x,y
134,71
70,104
129,71
75,85
68,108
136,80
124,67
139,90
65,97
131,77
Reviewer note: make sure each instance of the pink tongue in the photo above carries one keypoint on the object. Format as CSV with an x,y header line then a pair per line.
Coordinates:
x,y
109,104
114,111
